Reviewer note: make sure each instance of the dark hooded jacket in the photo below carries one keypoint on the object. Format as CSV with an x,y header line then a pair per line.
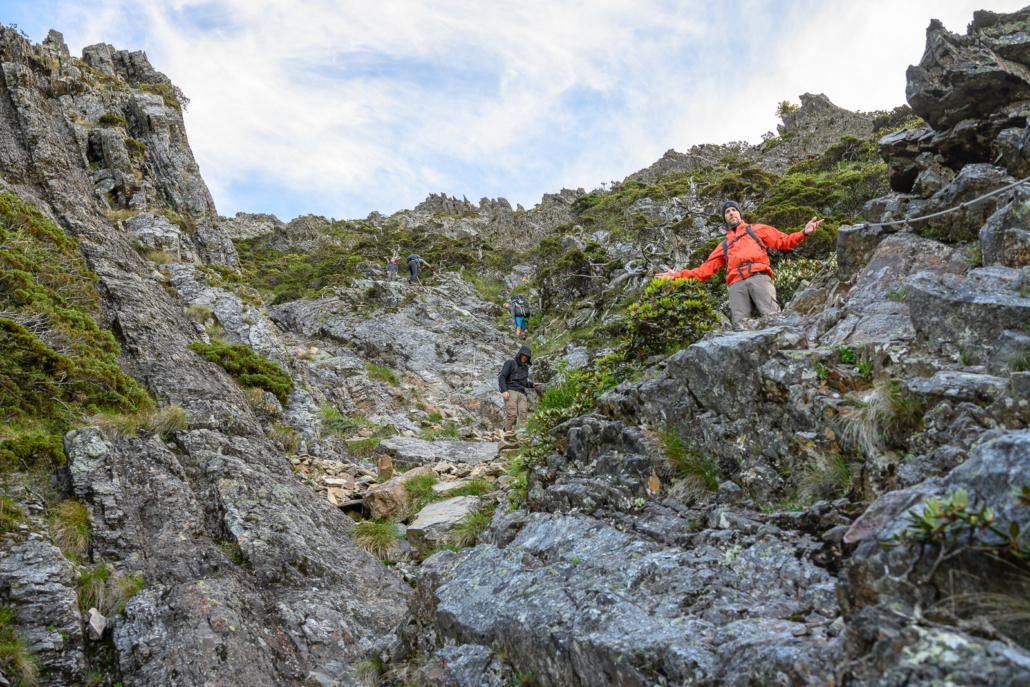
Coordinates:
x,y
515,374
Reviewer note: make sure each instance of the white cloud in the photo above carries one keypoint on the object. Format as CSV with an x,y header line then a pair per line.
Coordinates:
x,y
341,108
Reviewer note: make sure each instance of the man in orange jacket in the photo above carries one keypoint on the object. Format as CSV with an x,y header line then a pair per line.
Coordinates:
x,y
748,274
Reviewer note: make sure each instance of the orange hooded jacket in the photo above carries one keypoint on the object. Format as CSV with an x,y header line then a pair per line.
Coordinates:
x,y
746,256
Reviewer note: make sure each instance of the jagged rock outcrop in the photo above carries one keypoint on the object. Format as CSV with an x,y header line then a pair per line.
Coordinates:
x,y
304,596
246,225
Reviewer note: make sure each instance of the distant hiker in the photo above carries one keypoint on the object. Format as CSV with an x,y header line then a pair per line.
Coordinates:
x,y
414,262
518,306
748,274
513,382
392,270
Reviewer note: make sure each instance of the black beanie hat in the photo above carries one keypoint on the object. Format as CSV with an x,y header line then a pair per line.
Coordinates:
x,y
730,204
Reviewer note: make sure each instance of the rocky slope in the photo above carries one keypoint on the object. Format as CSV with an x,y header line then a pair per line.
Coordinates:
x,y
800,502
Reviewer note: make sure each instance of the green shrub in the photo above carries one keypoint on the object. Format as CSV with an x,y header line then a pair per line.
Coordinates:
x,y
671,314
248,368
111,119
135,148
56,362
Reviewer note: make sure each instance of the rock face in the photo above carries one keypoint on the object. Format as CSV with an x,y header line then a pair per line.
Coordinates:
x,y
389,500
410,452
433,523
201,617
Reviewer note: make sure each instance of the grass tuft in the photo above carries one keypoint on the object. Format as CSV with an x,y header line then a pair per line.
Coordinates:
x,y
285,435
886,411
471,527
369,670
477,486
827,477
698,471
125,425
10,515
420,492
16,661
100,588
71,529
198,312
379,373
375,537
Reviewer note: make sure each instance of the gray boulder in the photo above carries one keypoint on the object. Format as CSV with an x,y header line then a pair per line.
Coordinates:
x,y
468,665
411,452
1005,237
966,312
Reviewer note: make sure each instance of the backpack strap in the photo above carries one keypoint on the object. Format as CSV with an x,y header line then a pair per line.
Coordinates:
x,y
726,252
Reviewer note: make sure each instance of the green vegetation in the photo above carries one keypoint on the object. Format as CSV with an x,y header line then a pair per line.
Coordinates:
x,y
56,363
11,515
285,435
375,537
420,492
886,415
71,529
671,314
248,368
378,373
698,470
136,148
827,476
369,670
101,588
172,95
16,661
162,422
467,532
111,119
448,431
785,108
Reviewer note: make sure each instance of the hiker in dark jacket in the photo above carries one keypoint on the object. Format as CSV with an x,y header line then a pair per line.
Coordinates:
x,y
391,268
513,382
414,262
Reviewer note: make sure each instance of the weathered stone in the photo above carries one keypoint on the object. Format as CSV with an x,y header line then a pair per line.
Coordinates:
x,y
432,525
384,466
389,500
1005,237
900,150
96,625
410,451
37,582
957,386
856,245
963,312
468,665
972,182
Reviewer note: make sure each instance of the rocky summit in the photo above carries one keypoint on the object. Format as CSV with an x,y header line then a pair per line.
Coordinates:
x,y
237,451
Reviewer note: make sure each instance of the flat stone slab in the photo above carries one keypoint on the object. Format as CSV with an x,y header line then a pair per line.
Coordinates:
x,y
409,451
959,386
433,522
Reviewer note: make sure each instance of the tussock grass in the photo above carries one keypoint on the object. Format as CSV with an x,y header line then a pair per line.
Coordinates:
x,y
1019,362
99,587
198,312
10,515
828,476
369,670
698,471
285,435
16,661
375,537
122,425
471,527
420,492
363,448
885,411
379,373
448,432
477,486
71,529
159,257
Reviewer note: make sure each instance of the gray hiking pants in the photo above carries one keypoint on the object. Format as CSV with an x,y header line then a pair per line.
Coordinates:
x,y
758,288
413,266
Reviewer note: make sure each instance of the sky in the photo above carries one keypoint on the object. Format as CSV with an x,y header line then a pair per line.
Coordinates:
x,y
341,108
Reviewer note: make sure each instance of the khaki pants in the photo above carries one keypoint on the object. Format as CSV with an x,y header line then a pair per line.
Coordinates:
x,y
758,288
516,408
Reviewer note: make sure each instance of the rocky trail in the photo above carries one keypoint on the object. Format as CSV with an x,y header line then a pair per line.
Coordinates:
x,y
234,452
